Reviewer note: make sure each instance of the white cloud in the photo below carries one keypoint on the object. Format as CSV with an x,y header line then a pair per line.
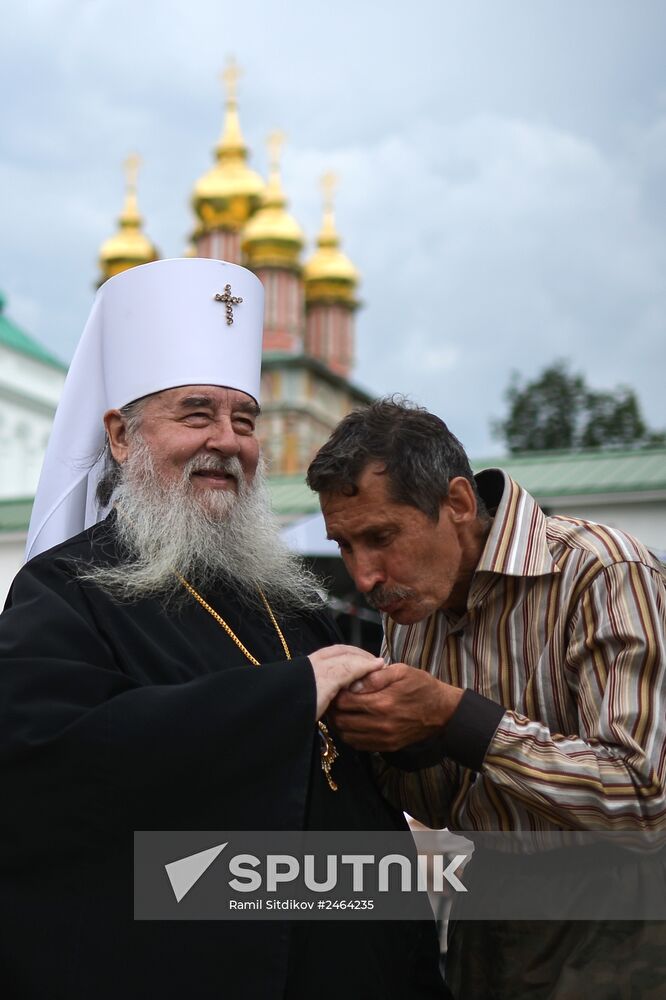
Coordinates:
x,y
501,192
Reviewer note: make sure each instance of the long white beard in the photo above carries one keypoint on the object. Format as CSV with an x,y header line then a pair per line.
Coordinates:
x,y
210,537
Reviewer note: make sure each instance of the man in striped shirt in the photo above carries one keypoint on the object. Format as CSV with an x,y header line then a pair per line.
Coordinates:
x,y
538,702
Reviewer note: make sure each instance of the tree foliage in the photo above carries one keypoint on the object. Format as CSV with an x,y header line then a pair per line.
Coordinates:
x,y
558,410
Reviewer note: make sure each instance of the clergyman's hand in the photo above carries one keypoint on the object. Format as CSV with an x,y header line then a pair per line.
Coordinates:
x,y
337,667
393,708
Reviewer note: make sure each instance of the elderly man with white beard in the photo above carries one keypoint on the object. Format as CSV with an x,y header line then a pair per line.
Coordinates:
x,y
130,697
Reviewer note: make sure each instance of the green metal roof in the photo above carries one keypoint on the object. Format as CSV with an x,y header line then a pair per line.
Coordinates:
x,y
279,359
17,340
544,475
291,495
551,474
15,514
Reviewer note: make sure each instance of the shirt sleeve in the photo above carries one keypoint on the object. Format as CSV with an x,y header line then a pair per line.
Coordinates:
x,y
611,774
426,794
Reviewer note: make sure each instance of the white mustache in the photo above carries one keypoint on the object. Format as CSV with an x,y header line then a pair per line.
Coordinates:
x,y
214,463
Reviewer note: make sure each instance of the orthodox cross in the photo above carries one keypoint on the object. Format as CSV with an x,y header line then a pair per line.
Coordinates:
x,y
130,214
230,77
328,235
132,164
230,301
273,196
329,183
275,143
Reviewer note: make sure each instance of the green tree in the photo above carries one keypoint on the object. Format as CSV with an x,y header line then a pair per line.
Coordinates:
x,y
558,410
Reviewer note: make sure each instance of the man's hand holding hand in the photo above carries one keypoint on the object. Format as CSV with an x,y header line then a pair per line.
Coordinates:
x,y
394,707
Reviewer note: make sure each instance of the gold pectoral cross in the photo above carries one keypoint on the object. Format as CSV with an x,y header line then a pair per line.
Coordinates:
x,y
329,754
230,301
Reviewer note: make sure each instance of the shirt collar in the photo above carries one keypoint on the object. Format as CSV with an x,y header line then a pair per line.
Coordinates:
x,y
517,544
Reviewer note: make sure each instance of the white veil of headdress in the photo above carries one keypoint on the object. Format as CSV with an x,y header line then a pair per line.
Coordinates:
x,y
152,327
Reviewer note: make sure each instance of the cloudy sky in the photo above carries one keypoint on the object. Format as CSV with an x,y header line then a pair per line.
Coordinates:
x,y
502,171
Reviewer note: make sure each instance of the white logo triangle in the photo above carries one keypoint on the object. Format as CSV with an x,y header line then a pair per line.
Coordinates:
x,y
185,872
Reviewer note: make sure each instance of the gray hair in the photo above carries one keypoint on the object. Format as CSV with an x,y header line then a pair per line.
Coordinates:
x,y
419,453
112,475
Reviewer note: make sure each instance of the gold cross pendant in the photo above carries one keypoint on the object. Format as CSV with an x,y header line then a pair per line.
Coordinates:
x,y
329,754
230,301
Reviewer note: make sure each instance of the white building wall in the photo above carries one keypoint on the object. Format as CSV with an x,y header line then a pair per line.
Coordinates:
x,y
29,394
644,519
30,378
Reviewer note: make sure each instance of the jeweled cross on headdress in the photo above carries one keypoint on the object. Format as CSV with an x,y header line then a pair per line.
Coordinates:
x,y
230,301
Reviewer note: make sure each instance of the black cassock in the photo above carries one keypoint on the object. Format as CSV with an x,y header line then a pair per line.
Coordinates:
x,y
120,717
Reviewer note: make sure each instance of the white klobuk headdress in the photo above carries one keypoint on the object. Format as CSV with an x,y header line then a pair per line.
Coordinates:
x,y
189,321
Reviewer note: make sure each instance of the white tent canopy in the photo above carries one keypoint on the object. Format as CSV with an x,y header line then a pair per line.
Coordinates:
x,y
308,537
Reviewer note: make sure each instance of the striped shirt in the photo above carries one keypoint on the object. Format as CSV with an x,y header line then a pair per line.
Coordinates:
x,y
565,629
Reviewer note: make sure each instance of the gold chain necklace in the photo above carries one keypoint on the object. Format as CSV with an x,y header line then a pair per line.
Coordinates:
x,y
328,749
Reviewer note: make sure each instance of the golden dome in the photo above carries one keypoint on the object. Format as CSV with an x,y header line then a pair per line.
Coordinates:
x,y
130,246
329,274
228,193
272,237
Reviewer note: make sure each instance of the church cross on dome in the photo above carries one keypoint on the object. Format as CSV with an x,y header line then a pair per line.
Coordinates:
x,y
229,77
329,183
328,237
275,144
132,164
